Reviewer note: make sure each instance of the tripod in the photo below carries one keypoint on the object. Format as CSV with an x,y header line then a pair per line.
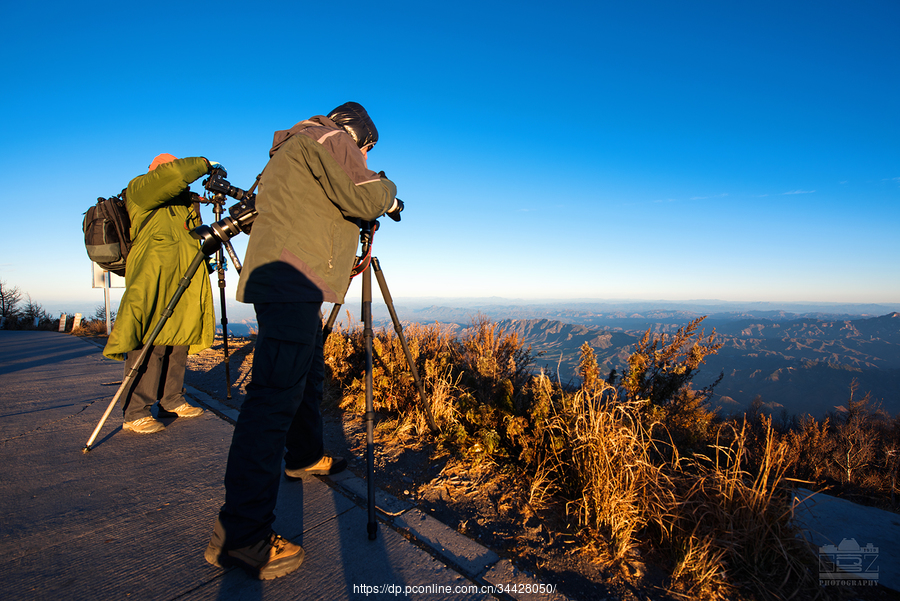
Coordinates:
x,y
365,265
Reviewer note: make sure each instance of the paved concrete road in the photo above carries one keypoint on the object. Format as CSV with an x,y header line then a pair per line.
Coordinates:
x,y
854,542
131,518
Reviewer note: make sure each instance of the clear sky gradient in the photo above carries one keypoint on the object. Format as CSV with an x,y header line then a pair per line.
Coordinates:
x,y
608,150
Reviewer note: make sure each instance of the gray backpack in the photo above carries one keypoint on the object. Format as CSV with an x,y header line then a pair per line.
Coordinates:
x,y
107,233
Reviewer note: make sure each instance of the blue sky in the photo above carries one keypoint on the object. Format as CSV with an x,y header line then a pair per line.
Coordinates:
x,y
606,150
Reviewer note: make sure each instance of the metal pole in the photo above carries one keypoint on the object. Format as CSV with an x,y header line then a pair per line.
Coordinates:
x,y
107,284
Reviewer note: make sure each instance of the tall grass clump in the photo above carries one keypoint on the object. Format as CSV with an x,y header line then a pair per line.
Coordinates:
x,y
601,453
731,523
722,516
394,389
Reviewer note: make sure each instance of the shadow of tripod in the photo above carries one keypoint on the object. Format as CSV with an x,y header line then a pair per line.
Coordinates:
x,y
366,264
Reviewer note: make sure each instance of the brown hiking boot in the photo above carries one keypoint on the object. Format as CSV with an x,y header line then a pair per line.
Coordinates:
x,y
271,557
213,553
183,410
326,466
144,425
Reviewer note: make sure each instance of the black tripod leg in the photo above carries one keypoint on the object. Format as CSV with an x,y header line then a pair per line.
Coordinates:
x,y
221,270
166,314
386,295
329,325
368,335
234,258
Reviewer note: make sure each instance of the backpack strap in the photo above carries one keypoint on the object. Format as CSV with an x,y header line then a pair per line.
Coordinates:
x,y
144,223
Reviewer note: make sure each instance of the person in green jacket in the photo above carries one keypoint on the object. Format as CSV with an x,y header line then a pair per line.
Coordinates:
x,y
315,188
163,213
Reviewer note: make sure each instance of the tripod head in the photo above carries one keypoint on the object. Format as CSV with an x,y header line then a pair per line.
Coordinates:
x,y
221,187
240,216
367,231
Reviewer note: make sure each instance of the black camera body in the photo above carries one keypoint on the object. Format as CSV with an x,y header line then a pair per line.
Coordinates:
x,y
241,215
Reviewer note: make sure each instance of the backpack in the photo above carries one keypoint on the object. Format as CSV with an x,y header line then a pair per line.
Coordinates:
x,y
107,233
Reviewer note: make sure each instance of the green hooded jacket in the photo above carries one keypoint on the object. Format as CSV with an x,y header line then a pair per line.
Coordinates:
x,y
162,251
304,240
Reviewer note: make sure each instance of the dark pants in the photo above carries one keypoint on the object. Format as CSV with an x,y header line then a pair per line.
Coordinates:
x,y
160,378
280,411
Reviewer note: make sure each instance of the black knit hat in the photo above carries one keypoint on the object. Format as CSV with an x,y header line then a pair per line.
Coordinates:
x,y
356,121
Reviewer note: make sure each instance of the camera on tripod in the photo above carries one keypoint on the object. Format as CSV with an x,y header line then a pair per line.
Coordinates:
x,y
240,216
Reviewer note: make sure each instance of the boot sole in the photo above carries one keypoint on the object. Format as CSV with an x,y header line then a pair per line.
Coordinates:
x,y
301,473
170,415
147,431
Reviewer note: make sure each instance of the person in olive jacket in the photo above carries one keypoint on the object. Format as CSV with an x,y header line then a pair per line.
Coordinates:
x,y
300,253
162,214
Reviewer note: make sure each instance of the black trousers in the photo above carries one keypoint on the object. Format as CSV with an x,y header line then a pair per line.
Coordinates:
x,y
280,413
161,378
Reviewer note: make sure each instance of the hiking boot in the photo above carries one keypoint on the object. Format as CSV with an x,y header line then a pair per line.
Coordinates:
x,y
183,410
271,557
213,553
326,466
144,425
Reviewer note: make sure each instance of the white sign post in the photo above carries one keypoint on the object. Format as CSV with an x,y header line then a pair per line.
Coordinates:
x,y
106,280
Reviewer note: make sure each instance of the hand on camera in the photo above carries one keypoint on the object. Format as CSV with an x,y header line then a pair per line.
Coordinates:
x,y
215,165
394,211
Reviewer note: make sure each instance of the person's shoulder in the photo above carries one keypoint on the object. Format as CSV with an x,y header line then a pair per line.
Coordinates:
x,y
135,182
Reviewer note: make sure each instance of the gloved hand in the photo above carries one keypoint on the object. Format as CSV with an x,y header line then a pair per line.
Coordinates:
x,y
214,266
394,211
216,165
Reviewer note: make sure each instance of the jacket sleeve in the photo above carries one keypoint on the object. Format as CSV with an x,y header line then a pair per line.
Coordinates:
x,y
164,183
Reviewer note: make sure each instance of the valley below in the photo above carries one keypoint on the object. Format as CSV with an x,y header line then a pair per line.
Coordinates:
x,y
793,363
795,360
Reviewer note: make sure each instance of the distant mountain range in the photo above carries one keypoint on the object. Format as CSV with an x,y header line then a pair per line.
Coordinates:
x,y
798,358
796,363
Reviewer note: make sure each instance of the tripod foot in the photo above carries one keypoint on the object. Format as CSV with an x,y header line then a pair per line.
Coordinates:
x,y
86,449
372,528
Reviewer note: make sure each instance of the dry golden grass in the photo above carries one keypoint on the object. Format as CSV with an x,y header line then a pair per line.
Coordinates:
x,y
720,523
659,472
90,328
732,521
599,451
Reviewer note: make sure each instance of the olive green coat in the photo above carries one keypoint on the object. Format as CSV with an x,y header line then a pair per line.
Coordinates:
x,y
304,241
162,251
